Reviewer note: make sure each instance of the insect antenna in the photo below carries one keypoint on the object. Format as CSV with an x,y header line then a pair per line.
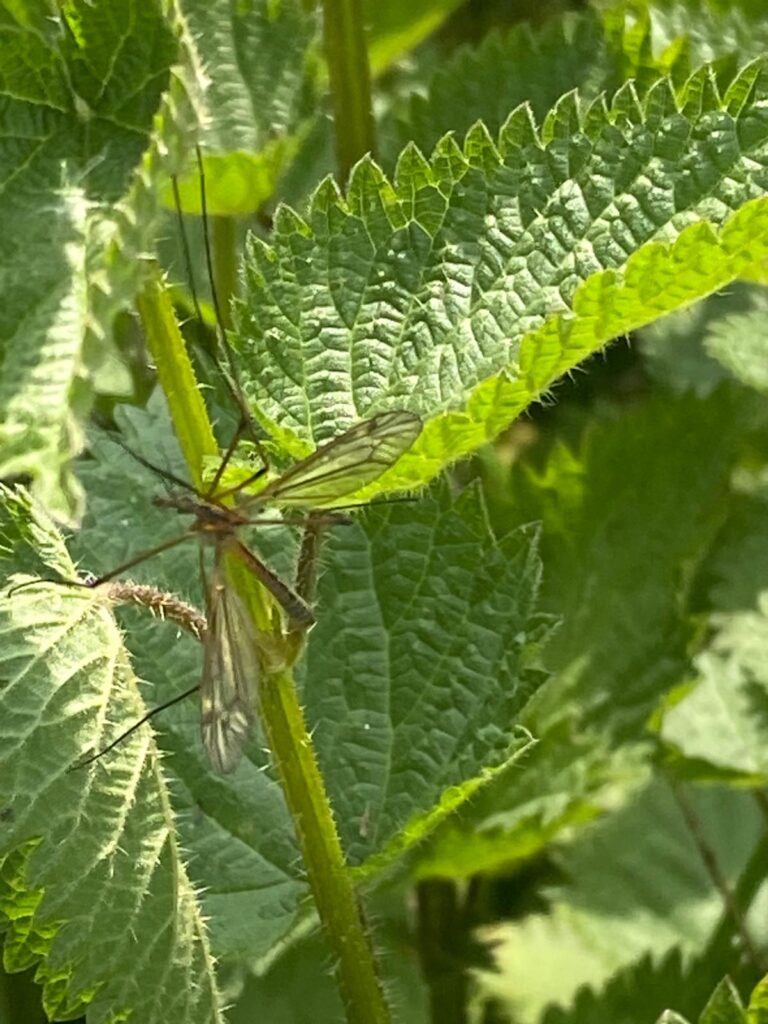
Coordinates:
x,y
186,251
221,355
162,472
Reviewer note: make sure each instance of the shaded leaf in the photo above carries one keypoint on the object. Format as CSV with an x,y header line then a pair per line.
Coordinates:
x,y
623,518
637,885
260,63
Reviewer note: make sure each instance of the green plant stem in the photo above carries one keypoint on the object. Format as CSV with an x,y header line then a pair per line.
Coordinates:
x,y
321,849
282,718
719,954
350,76
731,904
20,998
442,946
224,265
176,376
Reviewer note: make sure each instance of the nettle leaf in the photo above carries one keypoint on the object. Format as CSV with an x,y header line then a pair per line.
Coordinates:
x,y
639,992
81,90
717,722
236,830
757,1011
88,853
422,659
725,1006
734,574
617,559
467,286
261,63
589,51
723,720
713,30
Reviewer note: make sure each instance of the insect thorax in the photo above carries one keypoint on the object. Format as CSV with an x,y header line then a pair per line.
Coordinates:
x,y
209,518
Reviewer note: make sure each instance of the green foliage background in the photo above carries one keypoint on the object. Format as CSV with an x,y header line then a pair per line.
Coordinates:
x,y
592,579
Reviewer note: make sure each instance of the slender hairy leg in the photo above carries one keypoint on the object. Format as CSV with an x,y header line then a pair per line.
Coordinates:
x,y
145,718
306,569
90,584
296,608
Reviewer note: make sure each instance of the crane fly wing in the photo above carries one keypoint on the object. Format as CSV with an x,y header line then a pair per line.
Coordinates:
x,y
346,463
228,688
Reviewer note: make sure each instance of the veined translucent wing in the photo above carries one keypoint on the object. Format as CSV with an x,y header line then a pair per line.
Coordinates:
x,y
347,463
228,687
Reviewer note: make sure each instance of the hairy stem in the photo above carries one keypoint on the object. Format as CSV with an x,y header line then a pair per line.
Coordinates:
x,y
289,739
177,377
321,849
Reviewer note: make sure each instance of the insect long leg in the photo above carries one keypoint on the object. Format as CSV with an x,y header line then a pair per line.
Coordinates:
x,y
142,557
112,574
136,725
182,228
164,474
244,423
221,350
295,607
208,256
306,569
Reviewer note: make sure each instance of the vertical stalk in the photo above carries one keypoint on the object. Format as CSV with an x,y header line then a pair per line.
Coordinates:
x,y
350,82
287,734
329,878
442,945
176,376
224,265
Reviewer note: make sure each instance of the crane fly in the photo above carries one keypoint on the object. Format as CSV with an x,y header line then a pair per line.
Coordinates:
x,y
318,483
228,686
229,681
